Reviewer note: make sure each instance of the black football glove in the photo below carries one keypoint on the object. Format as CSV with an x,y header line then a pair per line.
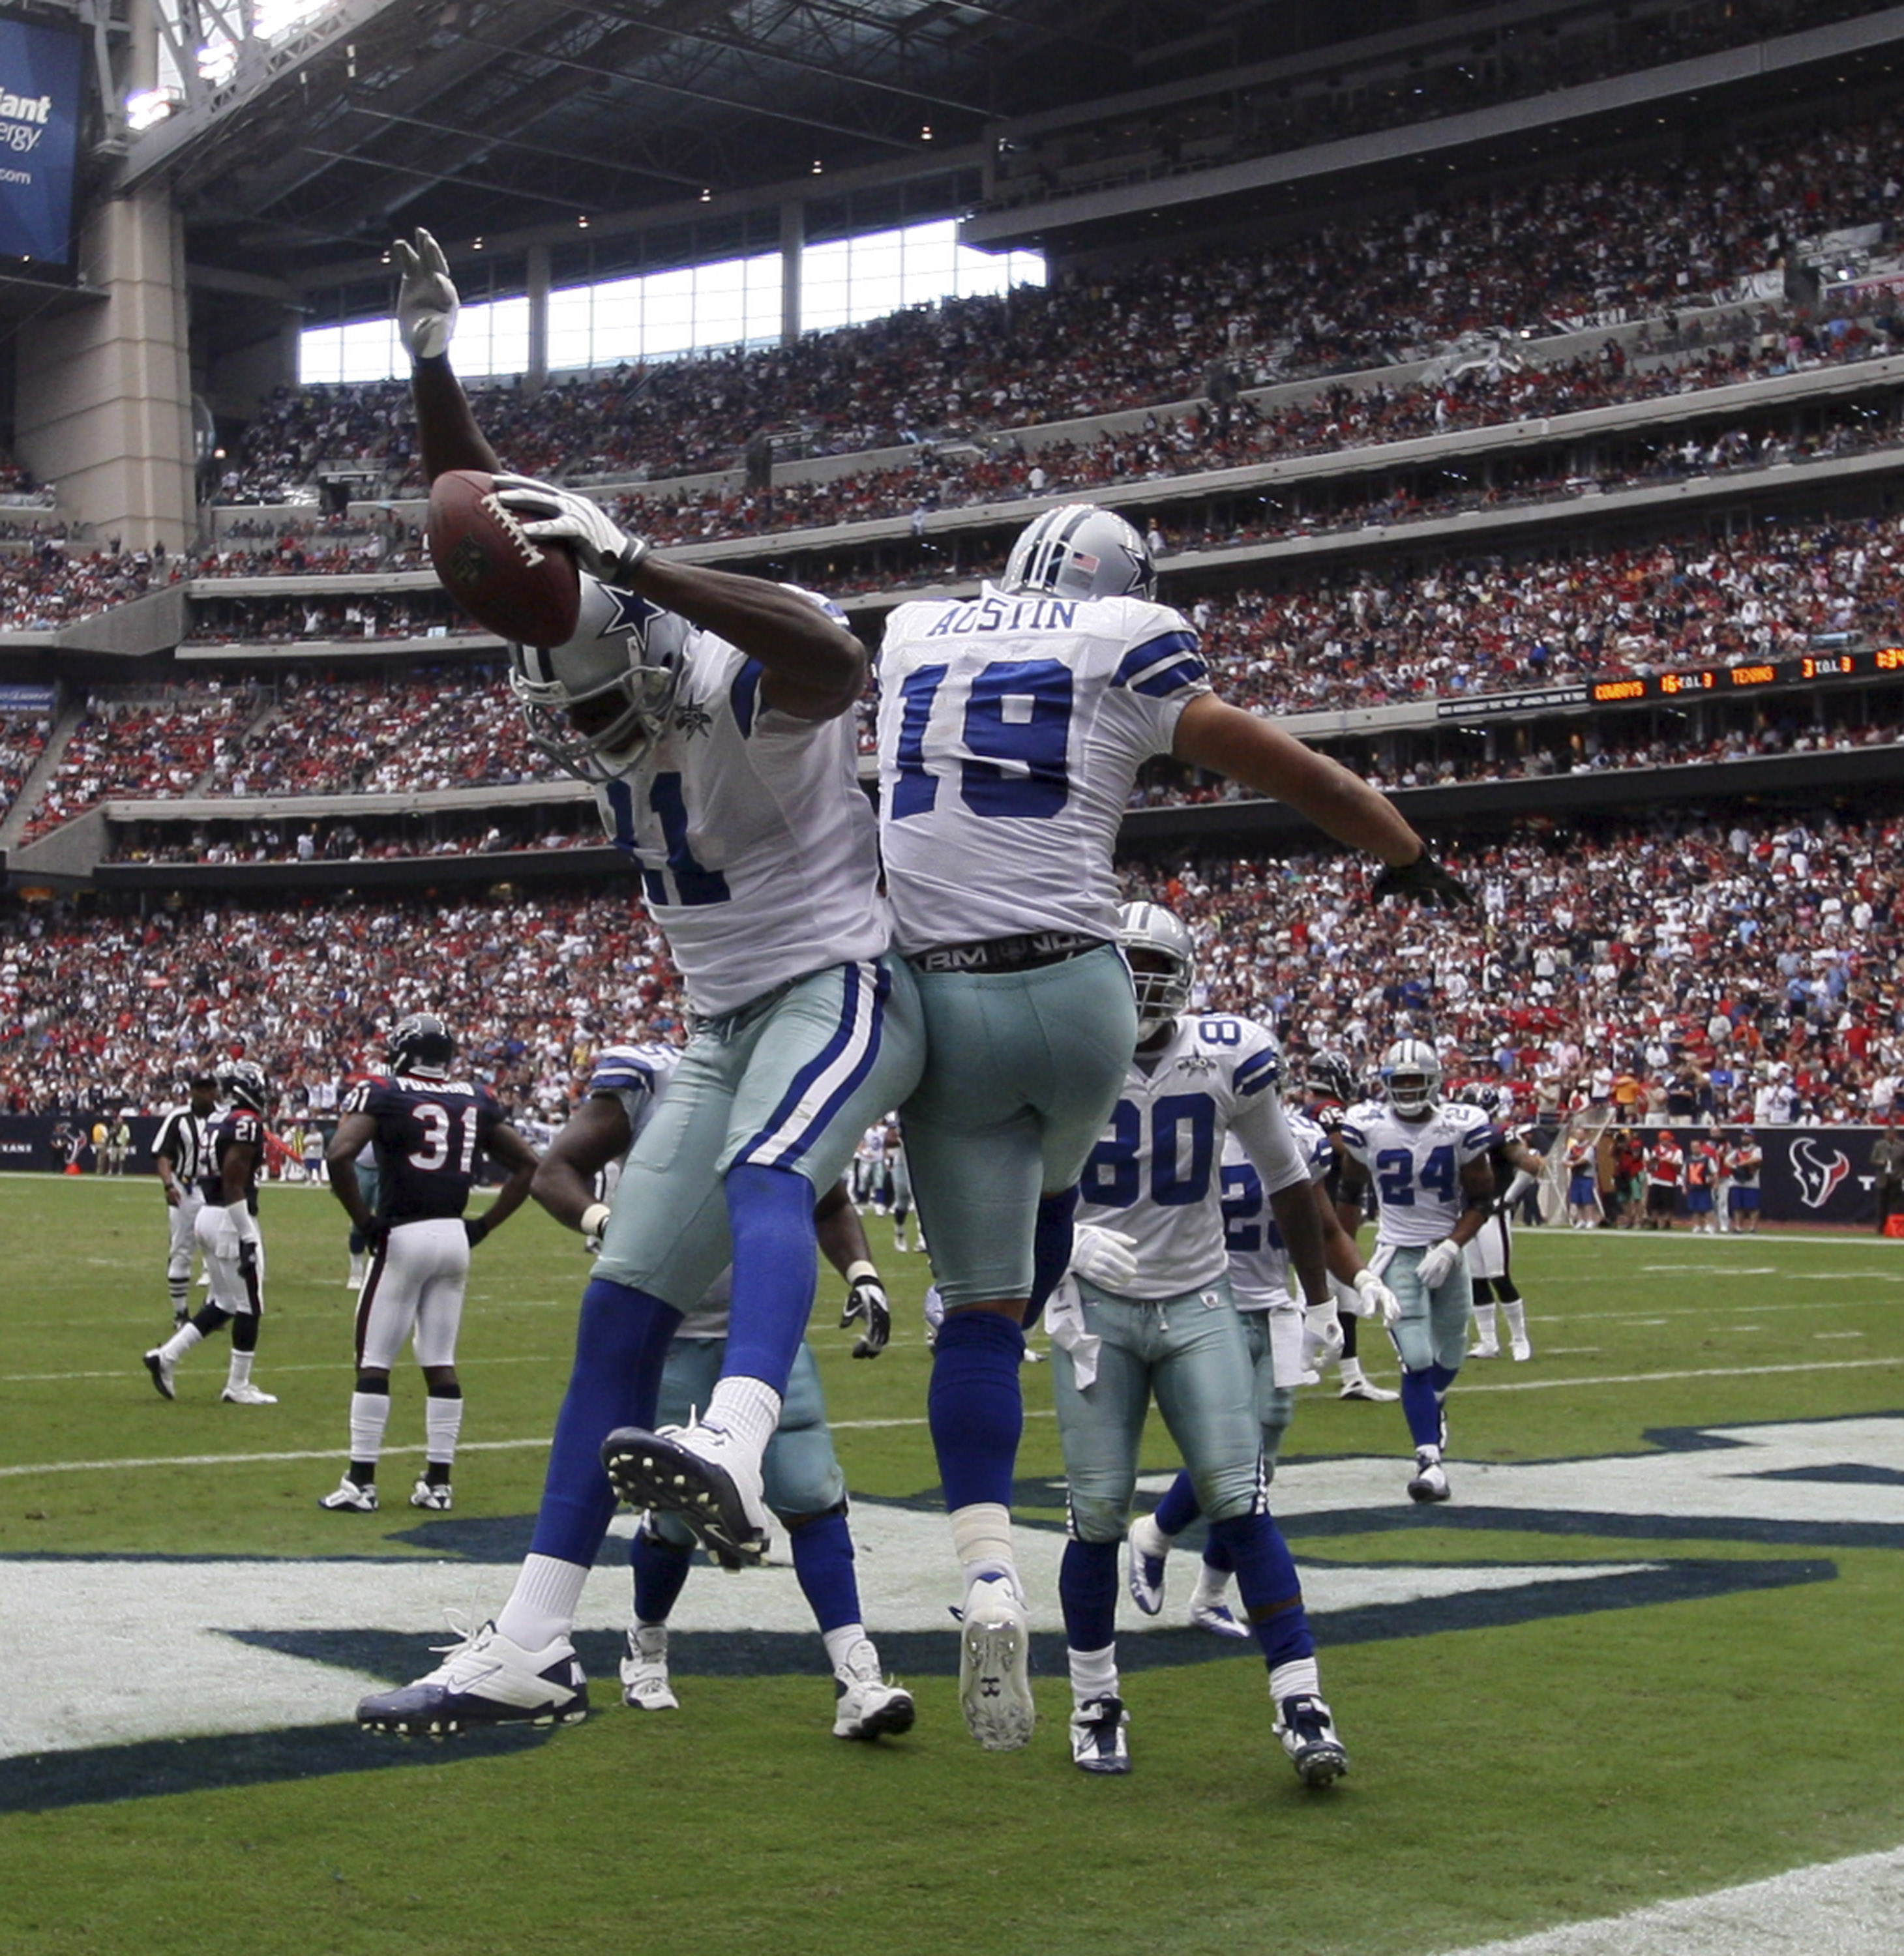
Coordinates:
x,y
866,1298
476,1227
1424,878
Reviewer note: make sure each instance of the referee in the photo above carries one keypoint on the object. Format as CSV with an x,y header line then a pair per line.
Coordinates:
x,y
179,1153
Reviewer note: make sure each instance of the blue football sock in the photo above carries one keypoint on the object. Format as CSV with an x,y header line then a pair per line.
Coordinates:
x,y
660,1568
1179,1507
770,1216
823,1562
976,1407
1088,1590
1421,1406
1442,1377
1272,1591
621,1340
1050,1247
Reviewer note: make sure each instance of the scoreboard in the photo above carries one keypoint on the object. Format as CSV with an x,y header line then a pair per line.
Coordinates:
x,y
1867,662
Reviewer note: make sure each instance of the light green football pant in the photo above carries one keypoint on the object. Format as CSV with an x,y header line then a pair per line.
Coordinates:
x,y
1433,1329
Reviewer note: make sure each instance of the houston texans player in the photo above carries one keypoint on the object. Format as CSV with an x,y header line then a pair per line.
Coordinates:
x,y
1011,729
712,715
1158,1317
431,1134
1284,1351
803,1483
1429,1161
1490,1252
227,1227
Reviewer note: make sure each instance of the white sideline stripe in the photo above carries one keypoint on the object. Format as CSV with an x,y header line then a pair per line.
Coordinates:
x,y
878,1425
1853,1907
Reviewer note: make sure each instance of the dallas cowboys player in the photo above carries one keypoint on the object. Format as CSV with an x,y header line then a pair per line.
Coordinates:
x,y
804,1484
1490,1254
1161,1319
1429,1161
711,713
1011,729
1284,1350
227,1227
1328,1087
431,1134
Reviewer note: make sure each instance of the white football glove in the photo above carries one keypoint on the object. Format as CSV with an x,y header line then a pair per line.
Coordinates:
x,y
594,1219
1105,1257
1376,1299
426,301
1437,1264
1321,1336
560,516
865,1299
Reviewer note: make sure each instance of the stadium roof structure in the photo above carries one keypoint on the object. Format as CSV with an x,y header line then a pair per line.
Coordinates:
x,y
521,121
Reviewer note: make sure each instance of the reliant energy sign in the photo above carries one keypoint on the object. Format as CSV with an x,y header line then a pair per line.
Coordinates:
x,y
40,110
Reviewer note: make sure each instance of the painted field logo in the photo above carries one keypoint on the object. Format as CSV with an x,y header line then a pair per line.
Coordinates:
x,y
1818,1173
277,1653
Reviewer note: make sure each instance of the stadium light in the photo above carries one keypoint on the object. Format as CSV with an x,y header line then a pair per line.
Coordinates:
x,y
145,107
218,61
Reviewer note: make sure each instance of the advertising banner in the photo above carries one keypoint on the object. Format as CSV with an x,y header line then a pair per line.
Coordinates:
x,y
39,113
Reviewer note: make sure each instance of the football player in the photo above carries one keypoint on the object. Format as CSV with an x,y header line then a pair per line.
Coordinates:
x,y
1328,1091
1151,1312
1283,1349
1490,1253
803,1483
431,1134
1011,729
226,1227
178,1153
712,715
1429,1162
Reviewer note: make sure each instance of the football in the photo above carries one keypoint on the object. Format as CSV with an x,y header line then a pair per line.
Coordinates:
x,y
511,584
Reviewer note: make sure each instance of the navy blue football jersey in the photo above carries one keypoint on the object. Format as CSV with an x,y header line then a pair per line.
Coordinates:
x,y
432,1137
237,1127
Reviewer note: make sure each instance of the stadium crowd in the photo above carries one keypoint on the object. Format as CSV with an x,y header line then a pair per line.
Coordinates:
x,y
1744,946
1588,246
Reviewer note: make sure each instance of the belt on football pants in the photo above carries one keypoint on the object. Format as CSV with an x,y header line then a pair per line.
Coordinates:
x,y
1026,952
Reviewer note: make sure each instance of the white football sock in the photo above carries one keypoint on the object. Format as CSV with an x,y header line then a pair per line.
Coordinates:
x,y
370,1413
1149,1538
747,1409
442,1422
982,1541
1296,1679
1517,1309
843,1649
240,1373
1213,1585
542,1605
180,1342
1093,1673
1484,1324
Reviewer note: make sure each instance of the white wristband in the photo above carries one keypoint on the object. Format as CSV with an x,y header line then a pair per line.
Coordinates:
x,y
861,1268
595,1219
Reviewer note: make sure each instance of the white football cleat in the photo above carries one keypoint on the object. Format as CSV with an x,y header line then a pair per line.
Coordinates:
x,y
995,1665
644,1670
1522,1350
1366,1389
246,1394
1430,1482
1307,1729
1098,1741
162,1370
435,1494
1212,1614
867,1706
701,1473
487,1680
1490,1350
1148,1545
347,1495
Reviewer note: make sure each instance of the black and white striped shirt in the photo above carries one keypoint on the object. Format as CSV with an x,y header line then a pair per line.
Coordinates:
x,y
182,1136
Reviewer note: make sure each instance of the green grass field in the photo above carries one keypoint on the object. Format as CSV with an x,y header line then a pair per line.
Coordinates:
x,y
1713,1700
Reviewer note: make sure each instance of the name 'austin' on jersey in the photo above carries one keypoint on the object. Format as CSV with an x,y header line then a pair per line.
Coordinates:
x,y
431,1137
1157,1174
738,806
1415,1165
1011,730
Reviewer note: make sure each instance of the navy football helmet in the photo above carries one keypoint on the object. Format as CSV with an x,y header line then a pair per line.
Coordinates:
x,y
242,1083
1080,551
1331,1076
422,1044
1487,1095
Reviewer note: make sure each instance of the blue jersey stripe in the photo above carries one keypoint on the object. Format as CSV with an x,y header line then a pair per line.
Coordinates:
x,y
1256,1072
1174,679
1168,648
744,695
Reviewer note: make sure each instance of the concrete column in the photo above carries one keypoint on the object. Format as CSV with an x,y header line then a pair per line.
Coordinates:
x,y
792,239
104,406
537,376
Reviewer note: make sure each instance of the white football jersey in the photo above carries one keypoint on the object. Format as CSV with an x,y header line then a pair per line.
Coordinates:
x,y
1157,1172
1259,1273
758,847
1011,730
1415,1166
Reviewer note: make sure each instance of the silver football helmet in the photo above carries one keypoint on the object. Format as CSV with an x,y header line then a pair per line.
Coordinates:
x,y
1411,1077
597,704
1080,551
1163,959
